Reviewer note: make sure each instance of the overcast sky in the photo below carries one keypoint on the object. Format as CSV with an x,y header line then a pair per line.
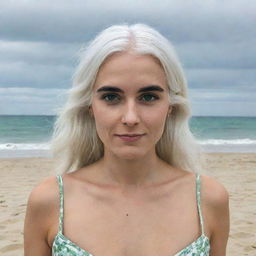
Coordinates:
x,y
40,41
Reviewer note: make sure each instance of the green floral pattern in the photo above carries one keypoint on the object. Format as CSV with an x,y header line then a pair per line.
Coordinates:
x,y
62,246
200,247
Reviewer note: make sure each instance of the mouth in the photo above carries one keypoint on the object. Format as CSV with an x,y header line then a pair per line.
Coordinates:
x,y
130,134
130,137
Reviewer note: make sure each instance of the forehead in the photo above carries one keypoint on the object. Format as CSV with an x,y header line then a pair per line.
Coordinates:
x,y
121,69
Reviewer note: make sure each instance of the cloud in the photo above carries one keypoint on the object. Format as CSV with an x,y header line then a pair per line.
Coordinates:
x,y
40,41
73,21
38,52
219,55
246,95
227,108
221,78
31,101
223,102
35,75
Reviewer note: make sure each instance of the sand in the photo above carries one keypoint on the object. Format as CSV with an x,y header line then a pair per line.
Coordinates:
x,y
237,172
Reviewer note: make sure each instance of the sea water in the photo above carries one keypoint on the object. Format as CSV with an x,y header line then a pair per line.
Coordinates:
x,y
26,136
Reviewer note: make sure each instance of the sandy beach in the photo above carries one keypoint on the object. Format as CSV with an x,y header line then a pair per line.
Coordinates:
x,y
237,172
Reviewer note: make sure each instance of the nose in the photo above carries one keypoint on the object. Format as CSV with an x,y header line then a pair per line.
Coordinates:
x,y
130,116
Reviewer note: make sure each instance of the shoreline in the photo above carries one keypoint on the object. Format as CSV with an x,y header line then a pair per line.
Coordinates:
x,y
236,171
43,149
48,156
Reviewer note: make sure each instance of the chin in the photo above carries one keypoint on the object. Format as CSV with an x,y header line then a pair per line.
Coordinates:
x,y
130,154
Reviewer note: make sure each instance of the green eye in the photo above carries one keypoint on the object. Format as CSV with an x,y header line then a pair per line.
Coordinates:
x,y
112,98
109,97
149,97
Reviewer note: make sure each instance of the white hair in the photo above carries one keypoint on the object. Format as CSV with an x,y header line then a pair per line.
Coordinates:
x,y
75,142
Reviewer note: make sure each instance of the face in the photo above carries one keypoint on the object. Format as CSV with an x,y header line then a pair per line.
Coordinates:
x,y
130,96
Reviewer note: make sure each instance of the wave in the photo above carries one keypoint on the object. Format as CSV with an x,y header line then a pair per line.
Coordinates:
x,y
25,146
46,146
227,142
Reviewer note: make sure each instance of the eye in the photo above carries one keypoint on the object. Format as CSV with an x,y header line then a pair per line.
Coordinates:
x,y
149,97
113,98
110,97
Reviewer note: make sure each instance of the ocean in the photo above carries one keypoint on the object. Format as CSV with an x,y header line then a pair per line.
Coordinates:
x,y
26,136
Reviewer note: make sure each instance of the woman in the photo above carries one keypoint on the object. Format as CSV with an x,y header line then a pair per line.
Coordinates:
x,y
128,160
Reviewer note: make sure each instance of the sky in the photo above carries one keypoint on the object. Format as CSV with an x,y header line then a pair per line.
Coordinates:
x,y
215,40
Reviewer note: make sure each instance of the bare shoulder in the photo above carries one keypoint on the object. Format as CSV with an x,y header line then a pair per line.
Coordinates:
x,y
43,203
41,215
215,205
45,193
213,193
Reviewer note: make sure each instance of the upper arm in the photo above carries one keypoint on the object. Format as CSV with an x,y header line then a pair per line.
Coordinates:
x,y
41,206
216,208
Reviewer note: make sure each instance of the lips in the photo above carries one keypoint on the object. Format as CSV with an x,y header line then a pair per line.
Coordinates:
x,y
130,135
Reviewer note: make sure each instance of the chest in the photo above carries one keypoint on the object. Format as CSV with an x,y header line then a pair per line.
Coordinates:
x,y
131,226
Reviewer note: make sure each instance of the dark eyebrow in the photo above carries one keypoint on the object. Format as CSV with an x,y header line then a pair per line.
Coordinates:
x,y
144,89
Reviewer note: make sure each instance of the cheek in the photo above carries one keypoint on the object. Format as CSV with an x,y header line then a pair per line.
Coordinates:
x,y
156,118
103,121
155,122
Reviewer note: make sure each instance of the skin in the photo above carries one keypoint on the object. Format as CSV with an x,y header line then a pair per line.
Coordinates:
x,y
144,203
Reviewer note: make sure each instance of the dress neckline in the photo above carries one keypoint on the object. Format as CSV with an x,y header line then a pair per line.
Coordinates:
x,y
59,234
202,238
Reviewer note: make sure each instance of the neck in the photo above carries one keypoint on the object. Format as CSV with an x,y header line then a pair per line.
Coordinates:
x,y
132,173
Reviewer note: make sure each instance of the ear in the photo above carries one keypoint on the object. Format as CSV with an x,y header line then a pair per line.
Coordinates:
x,y
170,109
90,111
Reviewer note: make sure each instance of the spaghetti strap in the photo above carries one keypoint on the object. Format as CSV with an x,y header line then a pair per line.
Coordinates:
x,y
61,203
63,246
198,197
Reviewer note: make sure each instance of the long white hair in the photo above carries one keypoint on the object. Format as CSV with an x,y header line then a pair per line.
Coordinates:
x,y
75,142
